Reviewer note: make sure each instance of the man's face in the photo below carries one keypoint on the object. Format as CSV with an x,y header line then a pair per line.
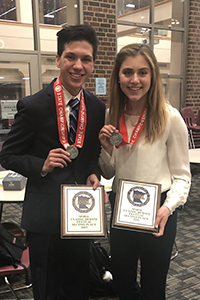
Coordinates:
x,y
76,65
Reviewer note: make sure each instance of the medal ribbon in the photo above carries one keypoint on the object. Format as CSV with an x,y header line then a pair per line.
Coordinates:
x,y
61,117
136,131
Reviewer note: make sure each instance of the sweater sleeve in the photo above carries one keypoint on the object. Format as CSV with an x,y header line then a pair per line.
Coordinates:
x,y
107,164
178,157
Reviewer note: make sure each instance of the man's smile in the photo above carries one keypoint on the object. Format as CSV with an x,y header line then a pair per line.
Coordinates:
x,y
76,75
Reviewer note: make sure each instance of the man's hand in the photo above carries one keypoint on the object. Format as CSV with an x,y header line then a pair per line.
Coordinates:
x,y
94,181
161,220
57,158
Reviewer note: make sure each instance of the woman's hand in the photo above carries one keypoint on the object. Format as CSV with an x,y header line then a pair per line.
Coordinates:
x,y
161,220
104,137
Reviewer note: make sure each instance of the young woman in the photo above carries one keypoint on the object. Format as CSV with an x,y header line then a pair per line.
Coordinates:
x,y
154,149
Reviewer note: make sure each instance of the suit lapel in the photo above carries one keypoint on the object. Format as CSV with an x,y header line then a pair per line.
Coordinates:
x,y
51,98
88,104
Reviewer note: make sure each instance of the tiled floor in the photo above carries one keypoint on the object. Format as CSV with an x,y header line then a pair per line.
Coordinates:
x,y
183,281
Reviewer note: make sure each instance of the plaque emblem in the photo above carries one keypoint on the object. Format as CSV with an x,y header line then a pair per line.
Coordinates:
x,y
138,196
83,202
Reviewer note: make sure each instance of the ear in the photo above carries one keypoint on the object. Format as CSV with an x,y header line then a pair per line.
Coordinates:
x,y
57,61
93,66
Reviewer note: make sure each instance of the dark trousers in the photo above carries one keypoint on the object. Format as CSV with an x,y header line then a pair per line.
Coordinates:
x,y
127,247
59,268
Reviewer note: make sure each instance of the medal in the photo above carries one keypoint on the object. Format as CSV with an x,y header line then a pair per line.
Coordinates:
x,y
116,138
73,151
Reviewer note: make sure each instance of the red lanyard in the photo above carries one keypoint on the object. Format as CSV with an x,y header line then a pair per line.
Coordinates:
x,y
136,131
61,117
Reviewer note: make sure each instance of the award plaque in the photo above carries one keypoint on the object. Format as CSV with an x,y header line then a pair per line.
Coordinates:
x,y
136,206
82,212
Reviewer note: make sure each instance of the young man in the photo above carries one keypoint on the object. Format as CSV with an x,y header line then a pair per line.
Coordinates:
x,y
36,147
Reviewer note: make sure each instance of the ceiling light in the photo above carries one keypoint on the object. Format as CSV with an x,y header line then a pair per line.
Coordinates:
x,y
130,5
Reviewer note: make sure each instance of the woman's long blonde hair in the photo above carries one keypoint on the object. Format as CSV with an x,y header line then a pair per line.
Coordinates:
x,y
156,117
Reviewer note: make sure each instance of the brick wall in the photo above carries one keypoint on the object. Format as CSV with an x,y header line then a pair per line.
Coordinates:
x,y
193,63
101,14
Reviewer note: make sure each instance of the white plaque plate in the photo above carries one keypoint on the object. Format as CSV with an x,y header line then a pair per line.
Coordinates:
x,y
82,212
136,205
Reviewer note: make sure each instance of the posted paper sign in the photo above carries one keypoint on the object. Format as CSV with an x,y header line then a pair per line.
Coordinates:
x,y
8,109
100,86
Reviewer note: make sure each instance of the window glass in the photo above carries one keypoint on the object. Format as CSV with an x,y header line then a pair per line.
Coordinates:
x,y
172,88
14,84
58,12
168,48
16,35
55,13
19,35
8,10
169,13
132,34
133,10
168,45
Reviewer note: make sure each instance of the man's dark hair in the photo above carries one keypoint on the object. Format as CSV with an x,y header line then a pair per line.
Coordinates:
x,y
77,33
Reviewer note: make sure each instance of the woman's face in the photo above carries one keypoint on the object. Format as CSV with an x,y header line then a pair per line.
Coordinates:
x,y
135,78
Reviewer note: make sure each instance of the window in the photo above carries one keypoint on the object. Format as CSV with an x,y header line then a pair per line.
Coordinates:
x,y
58,12
162,25
53,12
8,10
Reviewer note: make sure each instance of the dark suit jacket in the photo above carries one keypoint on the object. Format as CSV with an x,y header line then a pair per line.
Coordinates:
x,y
33,134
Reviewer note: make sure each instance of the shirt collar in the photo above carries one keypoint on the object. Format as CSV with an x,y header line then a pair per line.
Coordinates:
x,y
68,96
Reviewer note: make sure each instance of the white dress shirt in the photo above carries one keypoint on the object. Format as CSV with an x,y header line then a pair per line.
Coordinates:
x,y
67,98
